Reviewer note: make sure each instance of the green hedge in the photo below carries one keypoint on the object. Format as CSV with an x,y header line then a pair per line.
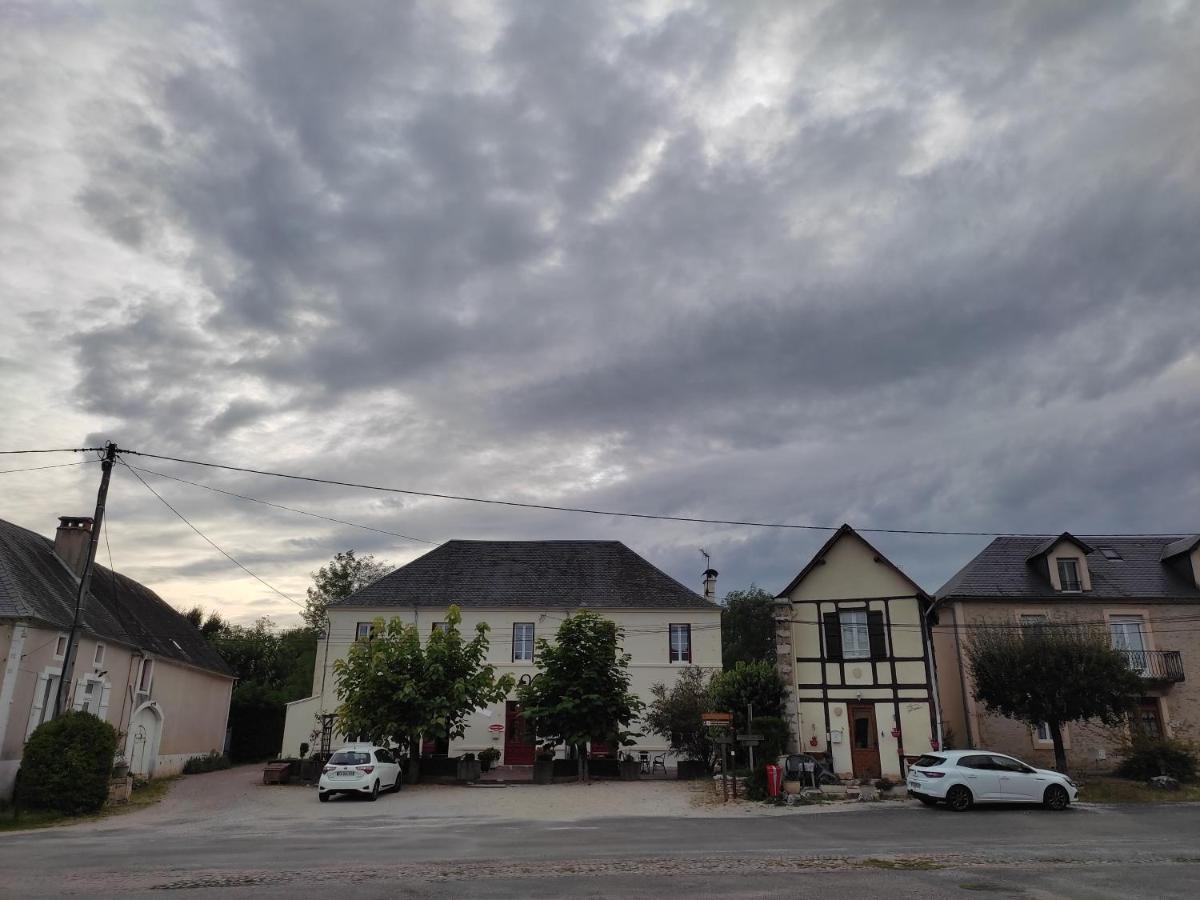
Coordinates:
x,y
210,762
1147,757
67,764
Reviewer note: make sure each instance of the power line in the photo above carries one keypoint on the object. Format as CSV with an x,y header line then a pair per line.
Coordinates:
x,y
588,511
303,512
209,540
83,462
59,450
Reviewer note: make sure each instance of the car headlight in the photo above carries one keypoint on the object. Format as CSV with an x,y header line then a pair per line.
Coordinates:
x,y
1070,782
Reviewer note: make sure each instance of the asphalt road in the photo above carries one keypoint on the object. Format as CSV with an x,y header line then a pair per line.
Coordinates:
x,y
873,850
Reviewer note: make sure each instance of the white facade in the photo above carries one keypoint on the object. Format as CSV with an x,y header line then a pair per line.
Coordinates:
x,y
647,640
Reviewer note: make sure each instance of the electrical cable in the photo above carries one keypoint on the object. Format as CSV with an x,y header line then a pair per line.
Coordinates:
x,y
83,462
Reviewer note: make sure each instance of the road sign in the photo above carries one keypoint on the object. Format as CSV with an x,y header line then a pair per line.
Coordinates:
x,y
723,739
716,718
750,738
495,728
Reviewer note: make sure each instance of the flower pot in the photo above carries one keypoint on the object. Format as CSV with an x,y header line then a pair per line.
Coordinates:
x,y
631,770
543,771
468,770
120,770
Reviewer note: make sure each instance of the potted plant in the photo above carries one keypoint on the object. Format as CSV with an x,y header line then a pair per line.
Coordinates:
x,y
488,758
543,768
630,767
468,768
120,767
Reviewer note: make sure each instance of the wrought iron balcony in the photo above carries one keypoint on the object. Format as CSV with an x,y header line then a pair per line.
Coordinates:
x,y
1156,665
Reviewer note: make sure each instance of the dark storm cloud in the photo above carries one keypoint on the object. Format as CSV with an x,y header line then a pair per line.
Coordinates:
x,y
929,266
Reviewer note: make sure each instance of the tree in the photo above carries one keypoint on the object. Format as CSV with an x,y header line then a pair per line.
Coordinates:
x,y
675,714
756,684
393,690
748,627
581,692
206,626
1053,673
345,574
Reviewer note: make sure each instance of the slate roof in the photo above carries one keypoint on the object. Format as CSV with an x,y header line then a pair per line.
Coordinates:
x,y
524,574
1002,571
36,585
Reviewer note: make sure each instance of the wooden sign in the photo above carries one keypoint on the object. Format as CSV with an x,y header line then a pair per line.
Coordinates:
x,y
716,718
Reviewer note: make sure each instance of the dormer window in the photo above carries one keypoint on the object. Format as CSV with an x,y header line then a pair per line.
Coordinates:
x,y
1068,576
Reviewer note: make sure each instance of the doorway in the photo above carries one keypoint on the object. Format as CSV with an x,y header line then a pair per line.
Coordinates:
x,y
518,736
145,732
1149,718
864,741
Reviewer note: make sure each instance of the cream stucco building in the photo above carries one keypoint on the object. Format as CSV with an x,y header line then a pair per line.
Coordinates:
x,y
852,647
522,590
140,665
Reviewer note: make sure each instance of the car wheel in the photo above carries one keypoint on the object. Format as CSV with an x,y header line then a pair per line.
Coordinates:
x,y
323,796
959,799
928,801
374,791
1056,797
395,788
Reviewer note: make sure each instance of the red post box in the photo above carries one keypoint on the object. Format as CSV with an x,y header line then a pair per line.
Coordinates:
x,y
774,780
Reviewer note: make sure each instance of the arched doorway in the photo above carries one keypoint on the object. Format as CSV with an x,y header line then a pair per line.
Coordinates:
x,y
145,733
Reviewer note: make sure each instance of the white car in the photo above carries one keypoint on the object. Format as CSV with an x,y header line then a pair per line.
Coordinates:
x,y
362,769
962,778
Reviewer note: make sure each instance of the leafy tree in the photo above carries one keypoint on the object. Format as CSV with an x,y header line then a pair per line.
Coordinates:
x,y
393,690
749,683
1054,673
207,626
748,627
341,577
66,764
675,714
581,692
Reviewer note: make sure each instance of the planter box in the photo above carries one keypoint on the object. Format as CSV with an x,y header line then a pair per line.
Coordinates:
x,y
543,771
631,770
468,770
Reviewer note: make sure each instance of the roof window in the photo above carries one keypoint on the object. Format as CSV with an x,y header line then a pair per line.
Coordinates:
x,y
1110,553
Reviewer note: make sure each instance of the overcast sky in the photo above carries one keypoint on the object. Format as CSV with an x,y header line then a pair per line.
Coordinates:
x,y
911,265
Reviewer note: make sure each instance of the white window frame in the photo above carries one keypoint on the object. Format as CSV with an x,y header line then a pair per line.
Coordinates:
x,y
1122,622
145,678
42,708
364,635
98,658
679,652
856,635
60,640
522,648
1060,563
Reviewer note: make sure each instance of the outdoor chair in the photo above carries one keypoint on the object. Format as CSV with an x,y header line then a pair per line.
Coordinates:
x,y
660,762
644,758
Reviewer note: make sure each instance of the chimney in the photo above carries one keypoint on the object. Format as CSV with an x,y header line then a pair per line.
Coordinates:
x,y
71,541
710,585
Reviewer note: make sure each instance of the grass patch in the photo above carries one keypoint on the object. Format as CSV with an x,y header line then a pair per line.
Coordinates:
x,y
1122,790
144,794
911,864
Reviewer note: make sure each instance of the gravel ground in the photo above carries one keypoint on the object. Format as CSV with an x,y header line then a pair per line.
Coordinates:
x,y
238,795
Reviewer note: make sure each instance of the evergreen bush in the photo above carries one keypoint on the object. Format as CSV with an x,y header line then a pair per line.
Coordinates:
x,y
210,762
67,764
1146,757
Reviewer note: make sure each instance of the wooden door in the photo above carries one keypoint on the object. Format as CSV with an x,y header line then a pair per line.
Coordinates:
x,y
518,737
864,742
1149,718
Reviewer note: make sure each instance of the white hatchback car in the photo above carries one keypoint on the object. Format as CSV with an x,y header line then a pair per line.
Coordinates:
x,y
362,769
962,778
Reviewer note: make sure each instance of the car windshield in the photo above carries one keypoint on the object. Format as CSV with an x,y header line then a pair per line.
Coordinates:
x,y
928,760
349,758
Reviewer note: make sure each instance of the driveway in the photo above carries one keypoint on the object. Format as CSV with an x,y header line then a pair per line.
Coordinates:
x,y
223,834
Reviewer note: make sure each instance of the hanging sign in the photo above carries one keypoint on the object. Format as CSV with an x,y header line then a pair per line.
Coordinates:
x,y
495,728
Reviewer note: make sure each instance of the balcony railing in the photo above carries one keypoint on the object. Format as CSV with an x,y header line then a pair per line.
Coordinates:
x,y
1156,665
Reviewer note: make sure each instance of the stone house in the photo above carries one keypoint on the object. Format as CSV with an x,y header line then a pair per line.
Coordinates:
x,y
140,665
1145,591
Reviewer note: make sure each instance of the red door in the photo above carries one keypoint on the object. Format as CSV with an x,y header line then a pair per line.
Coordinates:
x,y
518,737
864,747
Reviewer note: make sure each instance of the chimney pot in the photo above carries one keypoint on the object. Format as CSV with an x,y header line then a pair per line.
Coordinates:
x,y
710,584
71,541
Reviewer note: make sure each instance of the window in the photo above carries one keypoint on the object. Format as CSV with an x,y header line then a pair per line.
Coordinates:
x,y
856,641
146,676
99,659
1008,764
383,756
981,761
89,697
364,631
350,758
1068,575
522,642
1127,637
60,646
680,643
443,627
1042,733
1110,553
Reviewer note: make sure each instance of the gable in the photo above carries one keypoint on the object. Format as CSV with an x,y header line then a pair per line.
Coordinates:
x,y
849,568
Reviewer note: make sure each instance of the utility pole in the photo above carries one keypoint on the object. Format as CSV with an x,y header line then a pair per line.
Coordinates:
x,y
85,578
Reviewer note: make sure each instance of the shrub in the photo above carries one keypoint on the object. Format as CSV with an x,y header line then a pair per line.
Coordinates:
x,y
67,764
1146,757
210,762
489,756
884,784
756,783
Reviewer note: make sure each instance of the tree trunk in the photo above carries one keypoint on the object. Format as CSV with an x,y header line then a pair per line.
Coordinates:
x,y
1060,752
414,760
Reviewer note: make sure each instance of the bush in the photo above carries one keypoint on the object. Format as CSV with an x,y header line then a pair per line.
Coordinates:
x,y
884,784
1146,757
756,783
210,762
67,764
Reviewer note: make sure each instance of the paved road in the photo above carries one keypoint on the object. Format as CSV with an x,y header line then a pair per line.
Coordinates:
x,y
893,849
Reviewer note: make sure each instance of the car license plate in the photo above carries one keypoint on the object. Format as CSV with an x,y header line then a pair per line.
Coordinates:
x,y
913,783
346,773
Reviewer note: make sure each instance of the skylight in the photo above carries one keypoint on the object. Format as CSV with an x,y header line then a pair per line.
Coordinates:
x,y
1110,553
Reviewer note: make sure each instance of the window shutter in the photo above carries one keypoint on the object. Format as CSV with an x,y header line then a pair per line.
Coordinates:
x,y
35,712
833,636
102,712
688,632
875,633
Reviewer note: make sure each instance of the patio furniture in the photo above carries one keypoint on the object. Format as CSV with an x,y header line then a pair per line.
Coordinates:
x,y
644,758
660,762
